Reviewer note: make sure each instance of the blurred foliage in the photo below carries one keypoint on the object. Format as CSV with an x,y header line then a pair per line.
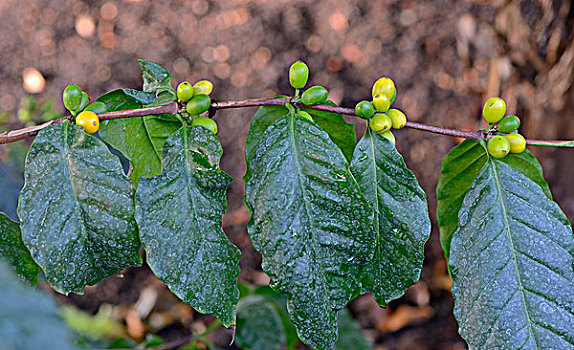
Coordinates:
x,y
28,318
12,157
350,335
32,111
93,327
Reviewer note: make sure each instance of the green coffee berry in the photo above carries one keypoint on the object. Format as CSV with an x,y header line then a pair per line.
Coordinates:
x,y
394,96
494,110
365,109
205,122
204,87
185,91
381,102
498,146
198,104
397,117
298,75
315,95
384,86
305,115
380,123
72,97
509,124
517,143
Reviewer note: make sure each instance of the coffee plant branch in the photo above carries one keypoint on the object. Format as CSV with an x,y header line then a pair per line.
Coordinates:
x,y
173,108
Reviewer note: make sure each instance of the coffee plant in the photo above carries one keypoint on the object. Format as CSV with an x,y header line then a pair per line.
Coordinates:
x,y
332,217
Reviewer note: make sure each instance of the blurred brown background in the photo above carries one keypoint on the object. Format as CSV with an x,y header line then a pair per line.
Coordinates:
x,y
446,57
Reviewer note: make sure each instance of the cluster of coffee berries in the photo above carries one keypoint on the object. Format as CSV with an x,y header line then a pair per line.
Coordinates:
x,y
197,101
313,96
78,103
378,112
507,139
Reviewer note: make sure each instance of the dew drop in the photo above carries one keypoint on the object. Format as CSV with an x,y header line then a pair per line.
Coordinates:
x,y
463,219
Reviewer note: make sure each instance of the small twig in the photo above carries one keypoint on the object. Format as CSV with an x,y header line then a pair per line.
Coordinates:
x,y
255,102
552,143
472,135
172,108
20,134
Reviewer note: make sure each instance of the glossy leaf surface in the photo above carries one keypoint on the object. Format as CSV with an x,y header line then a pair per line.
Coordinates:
x,y
310,222
529,166
340,131
139,139
402,223
179,213
14,252
76,209
259,325
261,120
155,77
459,169
511,261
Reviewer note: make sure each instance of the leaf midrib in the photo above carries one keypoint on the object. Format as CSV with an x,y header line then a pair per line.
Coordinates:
x,y
189,186
83,234
512,250
375,179
301,186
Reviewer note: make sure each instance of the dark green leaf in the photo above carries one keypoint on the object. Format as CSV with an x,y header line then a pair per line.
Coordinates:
x,y
244,289
180,215
259,326
459,169
154,76
512,265
165,96
263,118
157,80
402,223
280,302
139,139
76,209
529,166
310,222
14,252
122,99
341,133
350,333
28,318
